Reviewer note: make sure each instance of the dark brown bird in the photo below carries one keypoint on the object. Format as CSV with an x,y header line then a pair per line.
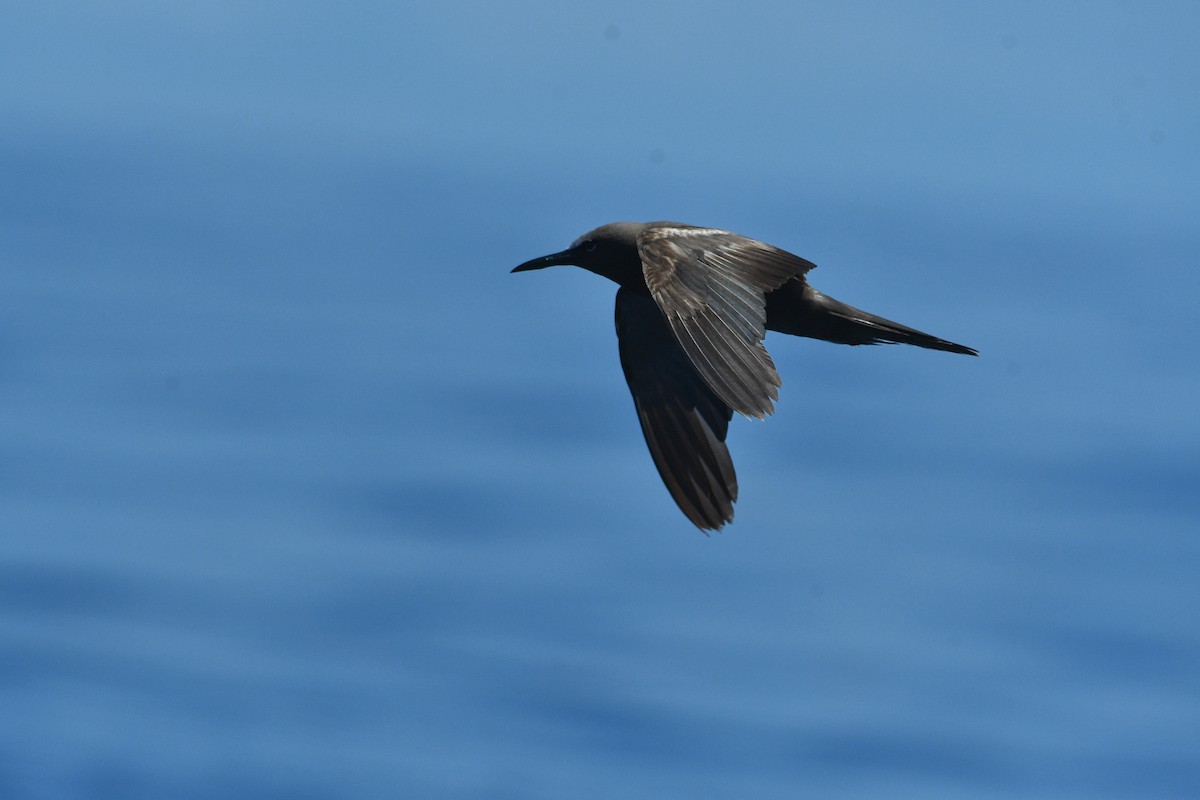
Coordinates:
x,y
692,311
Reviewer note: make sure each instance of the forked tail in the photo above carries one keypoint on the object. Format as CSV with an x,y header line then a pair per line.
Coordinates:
x,y
801,310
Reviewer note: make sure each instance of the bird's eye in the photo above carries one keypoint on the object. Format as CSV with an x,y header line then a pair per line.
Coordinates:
x,y
589,246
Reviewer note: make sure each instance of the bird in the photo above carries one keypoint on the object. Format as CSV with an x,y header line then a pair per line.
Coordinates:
x,y
693,307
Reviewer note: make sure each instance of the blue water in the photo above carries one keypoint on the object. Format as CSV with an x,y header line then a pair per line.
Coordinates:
x,y
303,495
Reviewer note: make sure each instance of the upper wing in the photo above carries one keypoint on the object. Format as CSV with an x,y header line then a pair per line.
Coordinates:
x,y
711,286
683,421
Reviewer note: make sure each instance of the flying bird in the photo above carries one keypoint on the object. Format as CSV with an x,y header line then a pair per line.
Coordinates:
x,y
693,307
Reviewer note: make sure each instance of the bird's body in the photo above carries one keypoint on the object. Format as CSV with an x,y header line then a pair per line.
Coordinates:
x,y
692,311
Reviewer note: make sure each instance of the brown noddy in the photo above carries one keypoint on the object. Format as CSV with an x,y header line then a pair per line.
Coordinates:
x,y
692,311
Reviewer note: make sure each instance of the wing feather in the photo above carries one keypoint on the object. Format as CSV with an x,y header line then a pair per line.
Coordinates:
x,y
683,420
711,286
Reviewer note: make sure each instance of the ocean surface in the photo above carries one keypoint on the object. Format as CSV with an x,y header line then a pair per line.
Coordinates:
x,y
303,495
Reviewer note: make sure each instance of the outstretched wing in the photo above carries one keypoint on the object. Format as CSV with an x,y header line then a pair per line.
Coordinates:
x,y
711,286
683,421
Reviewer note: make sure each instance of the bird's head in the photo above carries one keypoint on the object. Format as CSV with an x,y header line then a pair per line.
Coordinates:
x,y
610,250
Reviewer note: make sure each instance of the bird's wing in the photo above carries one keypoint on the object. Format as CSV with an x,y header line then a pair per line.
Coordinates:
x,y
711,286
683,421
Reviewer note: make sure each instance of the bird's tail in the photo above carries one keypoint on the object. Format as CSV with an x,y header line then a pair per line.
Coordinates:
x,y
821,317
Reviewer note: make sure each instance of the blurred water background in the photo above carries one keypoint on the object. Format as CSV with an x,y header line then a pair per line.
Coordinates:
x,y
303,495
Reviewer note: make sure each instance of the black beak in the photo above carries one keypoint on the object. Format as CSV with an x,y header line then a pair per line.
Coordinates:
x,y
552,260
